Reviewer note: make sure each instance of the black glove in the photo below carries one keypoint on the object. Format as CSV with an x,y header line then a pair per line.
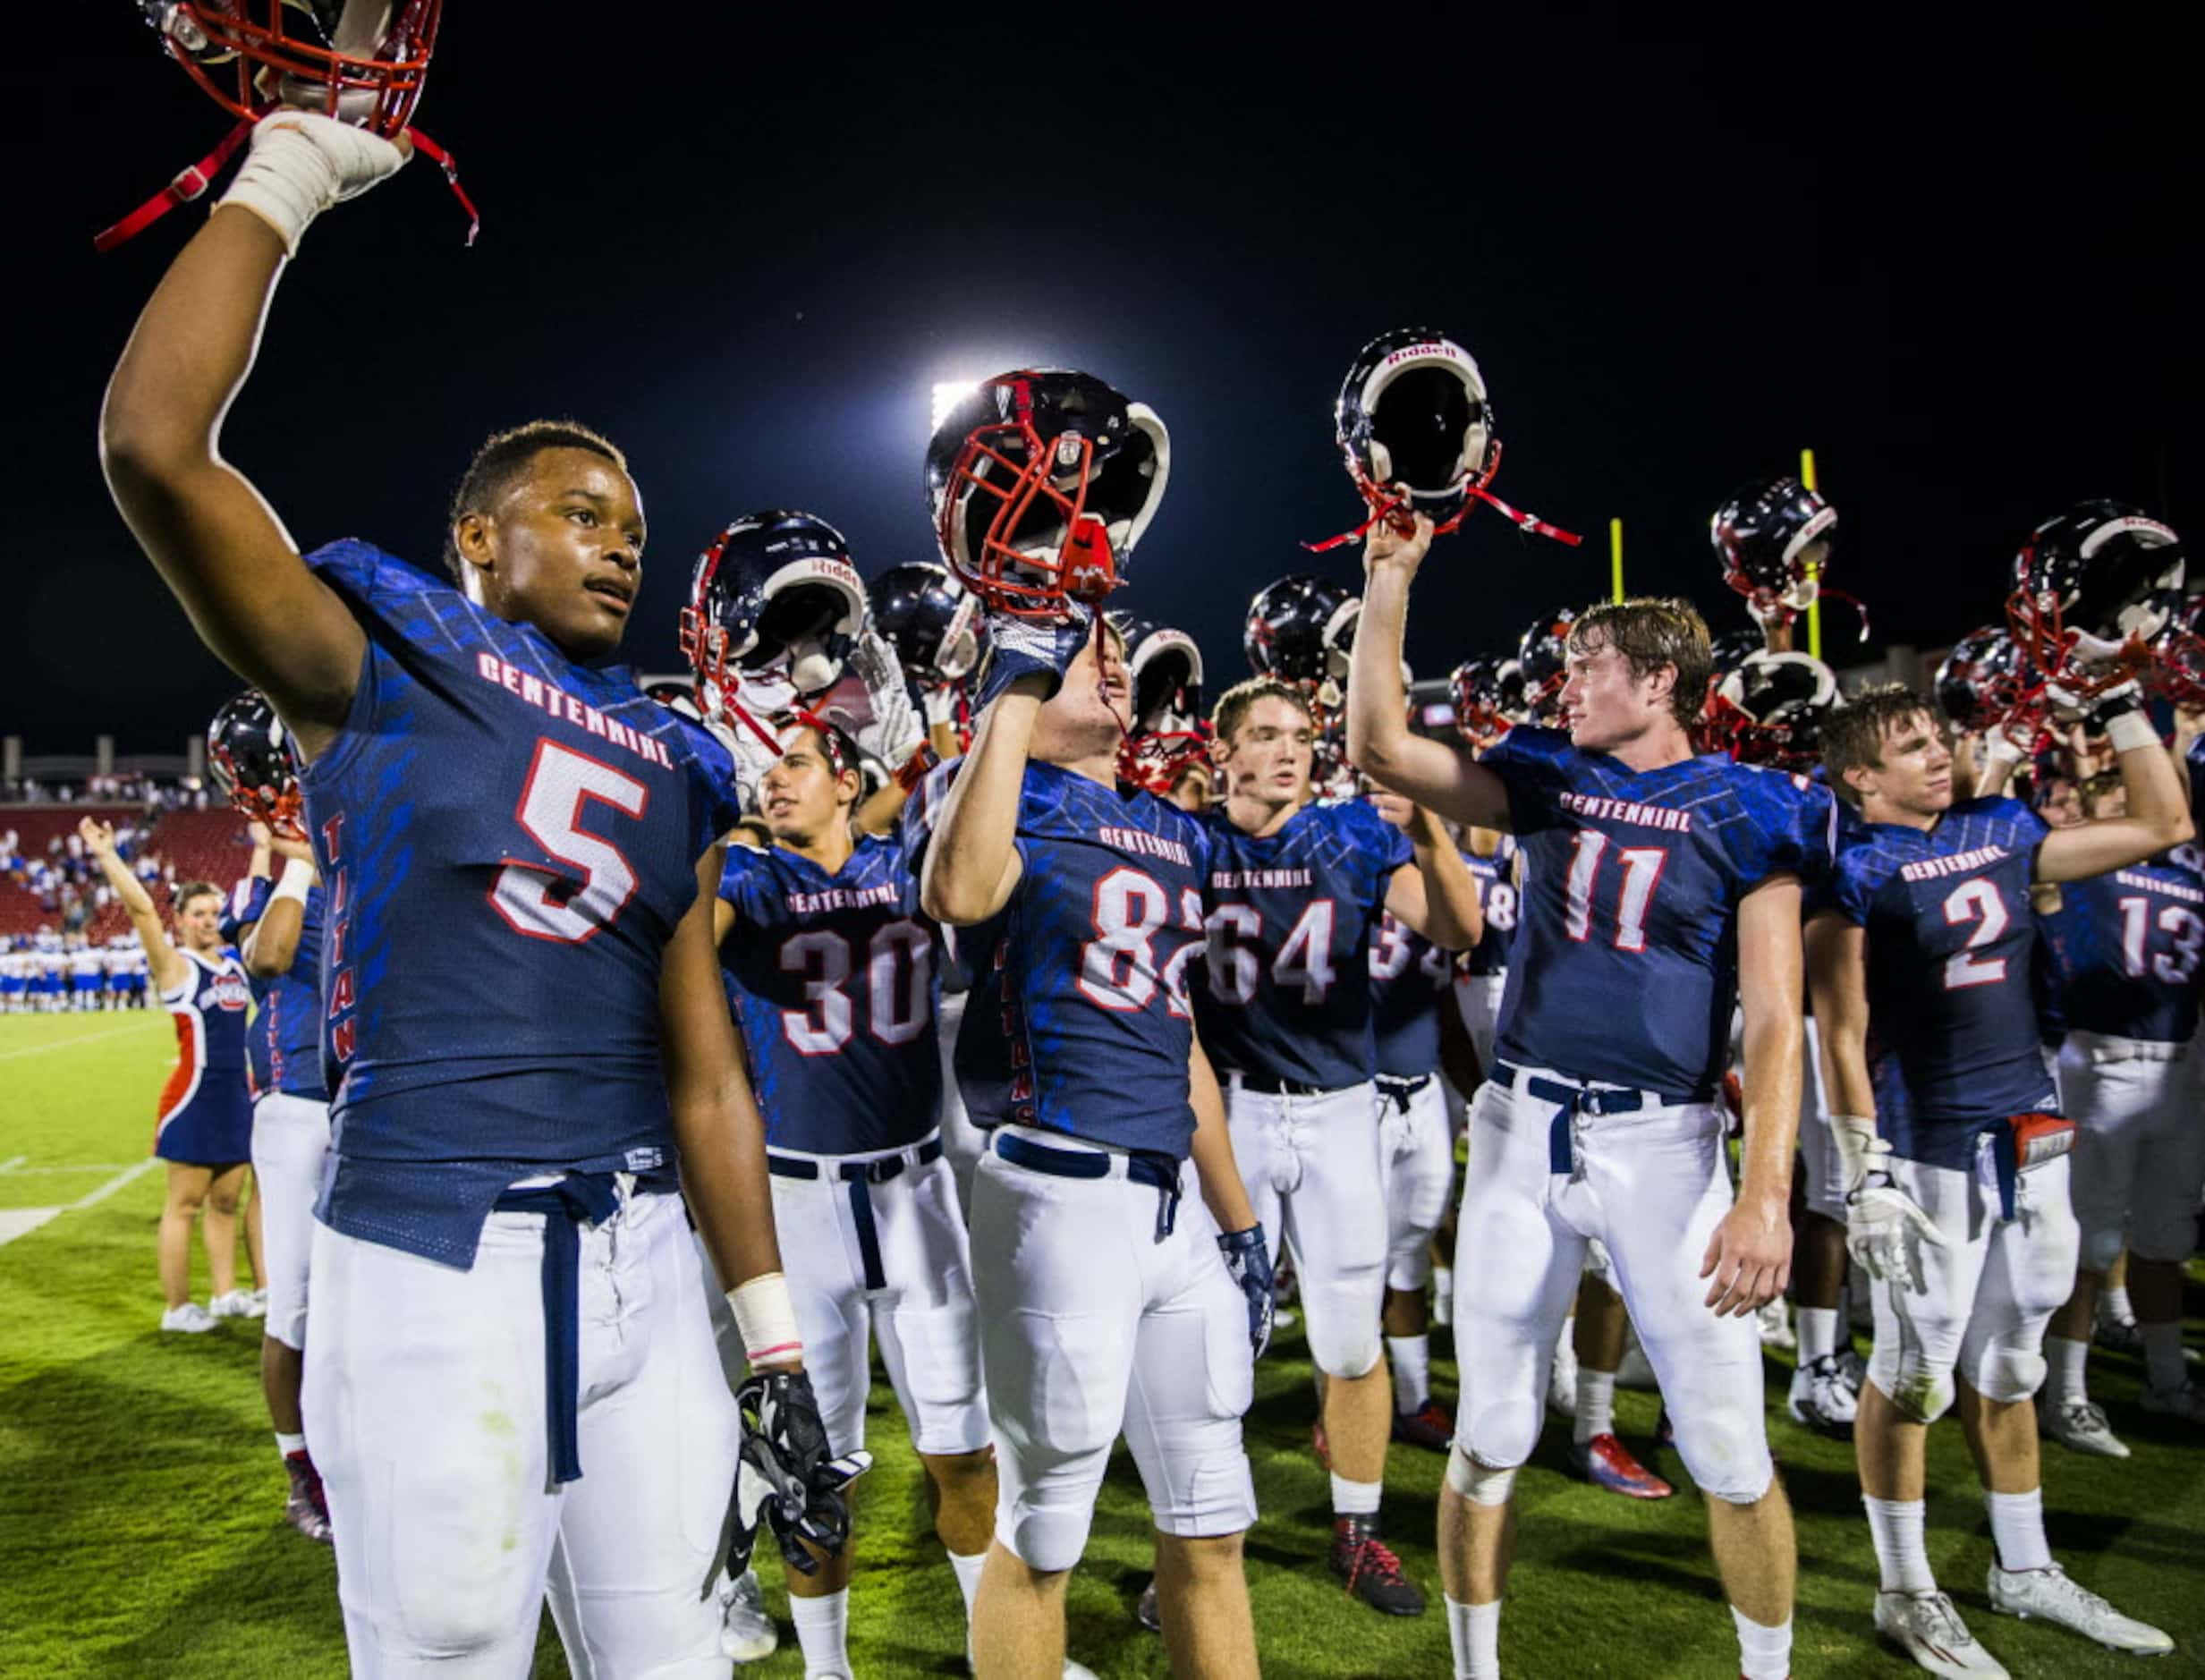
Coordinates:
x,y
1027,647
783,1476
1248,1261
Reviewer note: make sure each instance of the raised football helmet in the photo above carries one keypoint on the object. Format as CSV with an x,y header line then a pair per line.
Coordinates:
x,y
775,589
1508,686
1302,629
1414,414
1772,708
250,759
1774,538
1040,482
1542,663
2091,587
1984,680
362,61
932,620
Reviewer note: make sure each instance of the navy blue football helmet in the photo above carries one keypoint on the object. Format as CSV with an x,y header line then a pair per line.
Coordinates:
x,y
1302,629
1774,538
2091,587
775,589
250,759
932,620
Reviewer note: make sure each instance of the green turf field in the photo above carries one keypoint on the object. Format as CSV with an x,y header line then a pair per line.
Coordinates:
x,y
141,1493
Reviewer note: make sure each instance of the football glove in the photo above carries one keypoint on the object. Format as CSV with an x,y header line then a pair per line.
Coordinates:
x,y
785,1480
1024,647
1885,1228
894,731
1248,1261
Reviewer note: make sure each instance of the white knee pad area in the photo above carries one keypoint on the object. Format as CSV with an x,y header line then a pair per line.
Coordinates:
x,y
2008,1375
1474,1481
1919,1392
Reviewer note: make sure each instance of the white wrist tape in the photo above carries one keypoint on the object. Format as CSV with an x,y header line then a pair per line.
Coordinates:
x,y
766,1320
2132,730
301,163
297,875
941,705
1859,1148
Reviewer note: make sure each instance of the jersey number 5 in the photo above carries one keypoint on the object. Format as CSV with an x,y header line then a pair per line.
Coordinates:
x,y
546,905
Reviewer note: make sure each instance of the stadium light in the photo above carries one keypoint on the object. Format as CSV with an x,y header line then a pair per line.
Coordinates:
x,y
947,397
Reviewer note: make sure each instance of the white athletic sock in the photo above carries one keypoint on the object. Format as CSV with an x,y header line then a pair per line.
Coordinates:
x,y
1817,1328
1355,1498
1764,1652
1896,1526
823,1632
967,1578
2112,1306
287,1445
2017,1530
1596,1404
1443,1294
2066,1361
2163,1366
1412,1357
1474,1631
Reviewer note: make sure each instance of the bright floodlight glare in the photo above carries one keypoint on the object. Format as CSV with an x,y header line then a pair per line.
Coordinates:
x,y
947,396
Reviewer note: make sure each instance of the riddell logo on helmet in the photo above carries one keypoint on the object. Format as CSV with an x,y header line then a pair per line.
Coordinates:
x,y
1437,347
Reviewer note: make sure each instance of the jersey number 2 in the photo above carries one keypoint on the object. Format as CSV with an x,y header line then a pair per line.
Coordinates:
x,y
545,905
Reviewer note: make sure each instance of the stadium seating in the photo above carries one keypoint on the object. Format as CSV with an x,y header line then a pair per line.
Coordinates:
x,y
208,845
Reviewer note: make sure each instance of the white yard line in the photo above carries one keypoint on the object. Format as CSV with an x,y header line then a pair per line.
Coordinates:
x,y
16,1222
13,1171
66,1044
13,1162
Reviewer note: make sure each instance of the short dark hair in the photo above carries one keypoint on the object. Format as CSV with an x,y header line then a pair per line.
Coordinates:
x,y
502,457
1233,705
1649,632
190,890
1852,734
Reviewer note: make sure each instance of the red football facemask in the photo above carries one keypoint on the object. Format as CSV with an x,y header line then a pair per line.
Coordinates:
x,y
362,61
1045,486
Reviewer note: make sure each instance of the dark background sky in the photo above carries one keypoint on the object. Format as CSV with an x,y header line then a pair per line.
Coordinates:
x,y
1960,258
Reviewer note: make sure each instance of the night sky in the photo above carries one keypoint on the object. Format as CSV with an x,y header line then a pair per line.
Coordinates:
x,y
1961,263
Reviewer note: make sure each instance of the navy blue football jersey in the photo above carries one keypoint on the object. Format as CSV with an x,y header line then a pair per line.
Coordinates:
x,y
836,978
1291,918
508,839
1409,977
1953,1042
1496,896
1077,1018
1624,966
283,1046
2126,948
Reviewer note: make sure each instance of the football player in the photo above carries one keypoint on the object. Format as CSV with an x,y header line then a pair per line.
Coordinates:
x,y
203,1130
1955,1157
524,1004
1106,1304
2126,949
1296,889
277,924
1658,886
835,975
1411,981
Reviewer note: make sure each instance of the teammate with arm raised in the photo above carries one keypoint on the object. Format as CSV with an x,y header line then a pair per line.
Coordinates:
x,y
1658,887
521,994
1956,1154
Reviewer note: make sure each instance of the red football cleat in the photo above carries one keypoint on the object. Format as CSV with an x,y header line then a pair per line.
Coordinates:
x,y
1606,1463
1429,1426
